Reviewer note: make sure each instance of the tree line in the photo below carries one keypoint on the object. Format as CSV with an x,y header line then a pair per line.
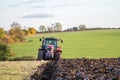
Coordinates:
x,y
79,28
83,27
57,27
17,34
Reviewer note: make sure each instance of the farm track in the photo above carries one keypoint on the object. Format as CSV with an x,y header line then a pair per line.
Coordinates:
x,y
79,69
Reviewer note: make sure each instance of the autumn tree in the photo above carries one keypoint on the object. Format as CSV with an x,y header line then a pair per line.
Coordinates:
x,y
42,28
12,32
3,36
32,30
27,32
16,32
2,33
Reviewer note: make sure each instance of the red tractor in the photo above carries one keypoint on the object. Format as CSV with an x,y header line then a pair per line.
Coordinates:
x,y
49,49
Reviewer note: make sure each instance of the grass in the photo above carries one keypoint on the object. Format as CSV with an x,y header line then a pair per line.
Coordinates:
x,y
89,44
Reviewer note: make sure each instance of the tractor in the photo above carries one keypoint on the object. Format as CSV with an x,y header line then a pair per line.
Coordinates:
x,y
50,49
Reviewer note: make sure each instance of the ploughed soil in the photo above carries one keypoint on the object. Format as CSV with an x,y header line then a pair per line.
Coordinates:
x,y
79,69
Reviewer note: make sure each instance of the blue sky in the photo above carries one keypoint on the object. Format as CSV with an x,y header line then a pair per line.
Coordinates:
x,y
70,13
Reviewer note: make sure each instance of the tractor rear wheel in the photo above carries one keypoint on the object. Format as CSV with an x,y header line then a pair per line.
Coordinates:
x,y
40,55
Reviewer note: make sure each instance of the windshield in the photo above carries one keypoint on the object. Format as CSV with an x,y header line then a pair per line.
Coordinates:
x,y
50,42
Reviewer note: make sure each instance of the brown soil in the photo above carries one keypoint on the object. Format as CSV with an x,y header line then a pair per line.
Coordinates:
x,y
79,69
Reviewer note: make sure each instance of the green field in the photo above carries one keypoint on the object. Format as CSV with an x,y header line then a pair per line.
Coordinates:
x,y
89,44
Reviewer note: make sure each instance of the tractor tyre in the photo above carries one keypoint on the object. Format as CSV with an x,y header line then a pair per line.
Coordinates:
x,y
40,55
57,56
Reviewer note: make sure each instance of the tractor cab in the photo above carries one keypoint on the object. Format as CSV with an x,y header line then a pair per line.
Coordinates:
x,y
49,41
49,49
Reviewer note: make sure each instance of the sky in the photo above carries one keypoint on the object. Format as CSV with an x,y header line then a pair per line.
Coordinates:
x,y
70,13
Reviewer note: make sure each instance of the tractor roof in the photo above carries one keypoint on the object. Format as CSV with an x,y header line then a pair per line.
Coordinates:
x,y
51,38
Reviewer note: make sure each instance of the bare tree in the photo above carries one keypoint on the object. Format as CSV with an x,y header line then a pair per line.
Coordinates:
x,y
15,25
82,27
50,29
57,26
42,28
